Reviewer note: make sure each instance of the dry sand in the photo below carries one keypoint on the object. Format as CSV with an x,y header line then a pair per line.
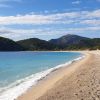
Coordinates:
x,y
79,81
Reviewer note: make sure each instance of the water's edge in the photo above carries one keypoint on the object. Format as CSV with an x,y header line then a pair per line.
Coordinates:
x,y
12,91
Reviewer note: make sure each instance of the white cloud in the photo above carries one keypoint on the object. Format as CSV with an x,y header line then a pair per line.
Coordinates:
x,y
93,14
4,3
38,19
27,33
76,2
91,22
83,29
58,18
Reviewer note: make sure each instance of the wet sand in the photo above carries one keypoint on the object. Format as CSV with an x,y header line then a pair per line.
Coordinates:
x,y
78,81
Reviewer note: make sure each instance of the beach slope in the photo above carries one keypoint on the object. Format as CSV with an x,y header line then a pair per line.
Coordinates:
x,y
78,81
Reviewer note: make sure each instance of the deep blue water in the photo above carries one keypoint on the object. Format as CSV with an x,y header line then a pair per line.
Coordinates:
x,y
18,65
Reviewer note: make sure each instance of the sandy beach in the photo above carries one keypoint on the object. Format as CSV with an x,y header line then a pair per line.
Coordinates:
x,y
78,81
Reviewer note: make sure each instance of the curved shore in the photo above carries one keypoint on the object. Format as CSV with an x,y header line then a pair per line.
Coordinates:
x,y
65,83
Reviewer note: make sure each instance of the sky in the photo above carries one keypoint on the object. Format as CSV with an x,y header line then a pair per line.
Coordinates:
x,y
49,19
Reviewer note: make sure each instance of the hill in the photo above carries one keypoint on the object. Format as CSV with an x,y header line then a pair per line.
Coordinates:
x,y
75,42
36,44
9,45
67,42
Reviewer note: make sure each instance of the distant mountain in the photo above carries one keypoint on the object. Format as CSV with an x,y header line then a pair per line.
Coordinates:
x,y
75,42
68,39
9,45
37,44
67,42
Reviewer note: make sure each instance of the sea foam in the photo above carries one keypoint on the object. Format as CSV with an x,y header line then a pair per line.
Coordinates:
x,y
21,86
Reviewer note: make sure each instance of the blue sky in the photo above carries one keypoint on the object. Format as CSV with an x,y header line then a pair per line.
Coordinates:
x,y
46,19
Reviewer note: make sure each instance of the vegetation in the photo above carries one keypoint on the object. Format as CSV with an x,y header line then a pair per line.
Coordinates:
x,y
9,45
37,44
67,42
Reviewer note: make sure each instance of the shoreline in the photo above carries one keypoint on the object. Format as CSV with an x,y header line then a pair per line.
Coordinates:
x,y
51,79
23,85
81,84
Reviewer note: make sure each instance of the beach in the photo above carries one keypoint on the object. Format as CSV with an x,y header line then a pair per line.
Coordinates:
x,y
78,81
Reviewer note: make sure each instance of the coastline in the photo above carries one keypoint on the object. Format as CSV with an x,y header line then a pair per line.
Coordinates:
x,y
82,84
21,86
48,82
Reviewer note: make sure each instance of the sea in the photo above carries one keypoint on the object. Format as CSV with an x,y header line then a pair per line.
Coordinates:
x,y
21,70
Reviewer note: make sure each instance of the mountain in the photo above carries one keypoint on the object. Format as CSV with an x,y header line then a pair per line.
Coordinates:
x,y
9,45
36,44
75,42
67,42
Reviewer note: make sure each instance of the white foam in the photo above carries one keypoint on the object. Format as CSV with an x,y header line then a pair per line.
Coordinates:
x,y
21,86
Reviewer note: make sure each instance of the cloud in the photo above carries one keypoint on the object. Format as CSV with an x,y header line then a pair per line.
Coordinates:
x,y
50,24
76,2
91,22
57,18
4,3
26,33
93,14
83,29
37,19
48,32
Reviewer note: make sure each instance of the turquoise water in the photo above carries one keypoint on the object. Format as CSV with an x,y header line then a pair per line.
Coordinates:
x,y
15,66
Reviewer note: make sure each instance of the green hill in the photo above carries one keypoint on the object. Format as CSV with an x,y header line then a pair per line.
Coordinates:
x,y
36,44
67,42
9,45
75,42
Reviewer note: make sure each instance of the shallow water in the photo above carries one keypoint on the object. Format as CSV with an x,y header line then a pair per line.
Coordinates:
x,y
27,68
